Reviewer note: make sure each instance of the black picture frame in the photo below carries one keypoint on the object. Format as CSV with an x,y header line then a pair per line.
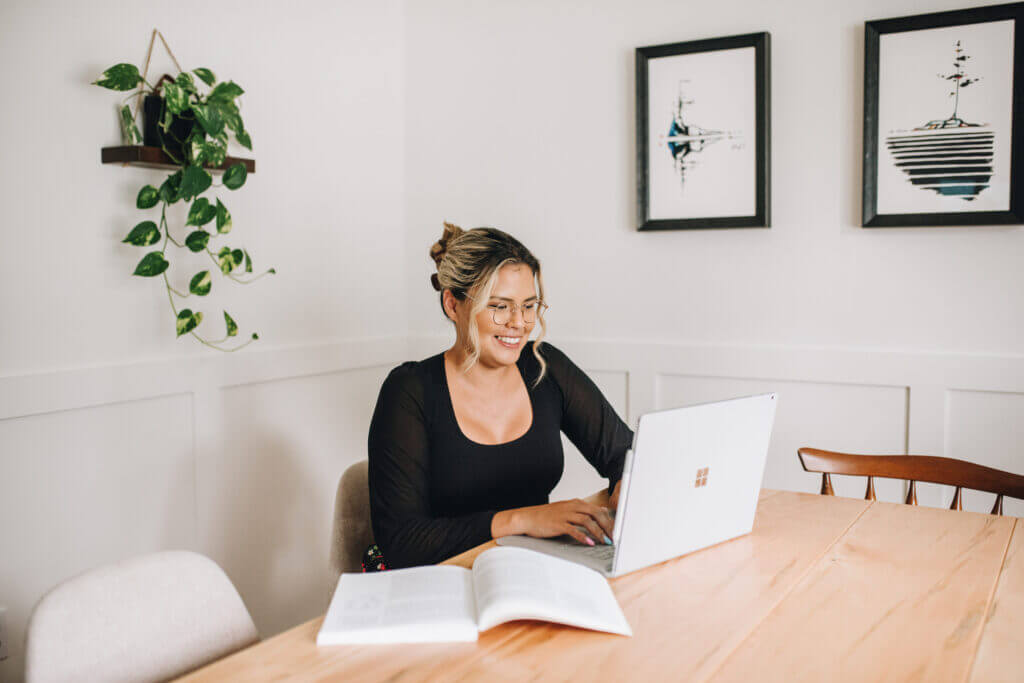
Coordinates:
x,y
873,31
761,215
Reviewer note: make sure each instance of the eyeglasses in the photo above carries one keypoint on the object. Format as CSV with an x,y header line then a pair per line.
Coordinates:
x,y
502,312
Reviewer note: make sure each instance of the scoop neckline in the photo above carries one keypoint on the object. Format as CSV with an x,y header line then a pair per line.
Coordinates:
x,y
455,420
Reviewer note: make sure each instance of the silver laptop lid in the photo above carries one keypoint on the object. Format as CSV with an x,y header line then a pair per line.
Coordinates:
x,y
693,479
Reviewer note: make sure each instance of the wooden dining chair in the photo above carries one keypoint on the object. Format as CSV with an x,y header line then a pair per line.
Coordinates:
x,y
914,468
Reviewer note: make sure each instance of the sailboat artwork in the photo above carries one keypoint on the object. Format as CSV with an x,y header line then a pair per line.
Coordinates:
x,y
951,156
702,130
686,141
940,121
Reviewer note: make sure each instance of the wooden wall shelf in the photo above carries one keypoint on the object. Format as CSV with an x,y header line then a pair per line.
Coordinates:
x,y
154,157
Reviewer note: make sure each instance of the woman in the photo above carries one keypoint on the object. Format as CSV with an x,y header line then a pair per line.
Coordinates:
x,y
464,446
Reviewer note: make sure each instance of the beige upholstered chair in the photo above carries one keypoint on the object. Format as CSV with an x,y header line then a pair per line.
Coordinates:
x,y
149,618
352,531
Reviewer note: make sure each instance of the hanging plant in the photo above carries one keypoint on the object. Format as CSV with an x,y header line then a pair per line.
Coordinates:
x,y
193,126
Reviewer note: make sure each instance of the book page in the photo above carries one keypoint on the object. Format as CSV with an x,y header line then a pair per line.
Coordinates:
x,y
417,605
514,583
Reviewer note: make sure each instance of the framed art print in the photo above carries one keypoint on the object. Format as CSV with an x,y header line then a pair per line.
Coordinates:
x,y
702,127
942,119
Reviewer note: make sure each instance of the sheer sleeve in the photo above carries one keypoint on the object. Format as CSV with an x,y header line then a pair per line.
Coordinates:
x,y
588,419
399,472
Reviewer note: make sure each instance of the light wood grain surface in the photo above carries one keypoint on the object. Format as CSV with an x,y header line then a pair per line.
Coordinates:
x,y
902,596
1001,655
824,588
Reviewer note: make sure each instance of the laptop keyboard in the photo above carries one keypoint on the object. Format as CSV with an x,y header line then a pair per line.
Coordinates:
x,y
598,551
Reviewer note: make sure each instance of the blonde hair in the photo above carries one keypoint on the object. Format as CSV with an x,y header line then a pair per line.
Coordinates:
x,y
468,262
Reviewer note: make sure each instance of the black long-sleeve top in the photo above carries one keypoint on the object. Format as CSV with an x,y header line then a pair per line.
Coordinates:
x,y
433,491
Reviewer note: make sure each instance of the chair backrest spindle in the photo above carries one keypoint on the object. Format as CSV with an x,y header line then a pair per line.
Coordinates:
x,y
997,509
958,503
911,493
869,494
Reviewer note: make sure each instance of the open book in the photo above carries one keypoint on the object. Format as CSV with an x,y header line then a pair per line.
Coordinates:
x,y
441,603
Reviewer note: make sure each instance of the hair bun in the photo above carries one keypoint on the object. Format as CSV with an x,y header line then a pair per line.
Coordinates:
x,y
435,282
437,252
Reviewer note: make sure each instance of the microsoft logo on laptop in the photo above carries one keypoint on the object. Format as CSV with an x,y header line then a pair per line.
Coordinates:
x,y
702,477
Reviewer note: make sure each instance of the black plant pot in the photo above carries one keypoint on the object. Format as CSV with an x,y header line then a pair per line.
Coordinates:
x,y
154,136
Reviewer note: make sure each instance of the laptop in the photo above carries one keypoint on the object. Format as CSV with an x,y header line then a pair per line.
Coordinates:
x,y
691,480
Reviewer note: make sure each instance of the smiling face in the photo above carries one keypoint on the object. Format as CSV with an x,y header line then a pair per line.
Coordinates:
x,y
500,345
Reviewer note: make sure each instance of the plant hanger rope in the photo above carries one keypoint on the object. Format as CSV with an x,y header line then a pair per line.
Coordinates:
x,y
145,68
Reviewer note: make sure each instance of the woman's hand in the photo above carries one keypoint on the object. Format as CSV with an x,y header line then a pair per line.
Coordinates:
x,y
555,519
613,500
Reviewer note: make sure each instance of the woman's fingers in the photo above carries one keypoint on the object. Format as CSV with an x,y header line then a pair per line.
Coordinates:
x,y
601,516
575,532
592,528
577,518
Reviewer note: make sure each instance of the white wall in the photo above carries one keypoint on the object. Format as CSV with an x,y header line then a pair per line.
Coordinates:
x,y
115,437
521,116
324,105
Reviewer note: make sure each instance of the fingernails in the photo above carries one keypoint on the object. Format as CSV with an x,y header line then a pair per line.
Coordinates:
x,y
607,541
589,540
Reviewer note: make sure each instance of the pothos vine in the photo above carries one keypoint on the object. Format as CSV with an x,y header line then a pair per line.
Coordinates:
x,y
205,119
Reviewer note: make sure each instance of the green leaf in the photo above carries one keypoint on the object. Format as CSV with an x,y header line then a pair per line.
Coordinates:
x,y
166,119
185,82
194,181
119,77
151,265
148,197
231,324
226,259
243,139
255,336
200,284
237,256
223,219
225,91
211,153
143,235
175,97
129,131
195,149
201,212
228,111
188,321
248,262
197,240
209,118
171,186
234,177
206,75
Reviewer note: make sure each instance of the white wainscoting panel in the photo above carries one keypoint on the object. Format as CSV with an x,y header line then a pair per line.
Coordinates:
x,y
80,488
850,417
986,427
580,479
267,494
239,457
234,456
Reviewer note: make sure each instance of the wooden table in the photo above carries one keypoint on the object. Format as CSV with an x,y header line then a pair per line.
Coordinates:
x,y
824,588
